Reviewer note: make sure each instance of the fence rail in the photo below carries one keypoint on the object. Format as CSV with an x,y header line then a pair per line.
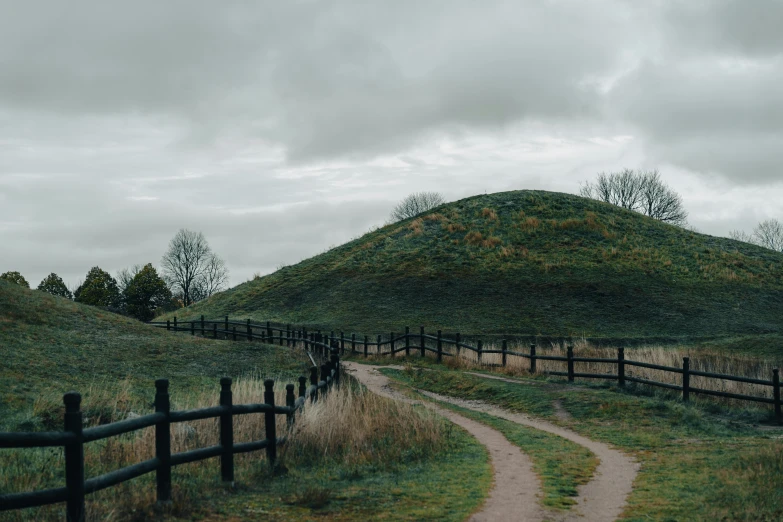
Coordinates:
x,y
74,436
417,342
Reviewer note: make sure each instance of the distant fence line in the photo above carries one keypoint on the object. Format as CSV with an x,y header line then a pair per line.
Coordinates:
x,y
409,342
74,436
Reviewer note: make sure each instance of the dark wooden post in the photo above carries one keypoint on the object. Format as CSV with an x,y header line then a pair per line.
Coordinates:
x,y
325,373
214,330
440,346
621,366
407,341
353,343
335,358
366,344
686,379
503,349
421,334
74,458
269,423
570,357
302,386
168,324
175,323
776,394
391,344
457,343
479,349
290,400
288,335
192,328
342,342
235,332
226,328
378,351
533,358
314,382
226,431
281,337
249,331
202,326
163,441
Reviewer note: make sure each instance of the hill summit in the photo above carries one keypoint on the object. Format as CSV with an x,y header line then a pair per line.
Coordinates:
x,y
525,262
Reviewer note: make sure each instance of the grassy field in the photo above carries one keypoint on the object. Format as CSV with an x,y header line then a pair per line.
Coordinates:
x,y
336,465
529,263
696,463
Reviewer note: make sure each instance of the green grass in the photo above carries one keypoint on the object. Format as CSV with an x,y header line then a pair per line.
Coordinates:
x,y
695,465
448,486
52,345
527,263
561,464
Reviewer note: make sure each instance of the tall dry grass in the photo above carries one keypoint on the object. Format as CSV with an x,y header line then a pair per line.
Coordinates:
x,y
349,427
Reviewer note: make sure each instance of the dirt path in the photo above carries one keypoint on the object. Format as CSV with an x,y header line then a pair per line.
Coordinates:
x,y
601,499
514,493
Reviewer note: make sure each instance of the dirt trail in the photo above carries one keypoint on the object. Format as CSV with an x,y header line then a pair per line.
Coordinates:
x,y
514,493
601,499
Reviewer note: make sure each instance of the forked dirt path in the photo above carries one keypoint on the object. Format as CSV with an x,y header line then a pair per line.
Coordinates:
x,y
514,493
602,499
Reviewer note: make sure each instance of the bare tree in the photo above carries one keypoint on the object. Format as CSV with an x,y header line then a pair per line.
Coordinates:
x,y
213,279
126,275
769,234
643,192
184,263
415,204
741,235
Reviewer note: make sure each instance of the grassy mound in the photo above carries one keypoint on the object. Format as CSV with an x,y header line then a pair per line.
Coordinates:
x,y
51,345
527,262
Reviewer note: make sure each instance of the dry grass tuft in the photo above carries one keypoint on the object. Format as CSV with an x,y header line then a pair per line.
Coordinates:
x,y
455,227
491,242
473,238
530,224
416,226
489,213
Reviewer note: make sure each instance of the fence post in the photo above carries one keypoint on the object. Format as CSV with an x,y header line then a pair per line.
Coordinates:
x,y
353,343
325,374
302,385
269,332
378,351
479,349
621,366
290,400
269,423
314,382
249,331
175,323
457,343
74,458
192,328
226,328
686,379
336,363
342,342
226,431
391,344
440,346
163,441
570,357
366,344
288,335
407,341
235,332
168,324
504,347
532,358
202,326
214,330
421,334
776,394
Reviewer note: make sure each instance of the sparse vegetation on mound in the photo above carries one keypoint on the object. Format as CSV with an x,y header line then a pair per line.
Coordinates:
x,y
525,262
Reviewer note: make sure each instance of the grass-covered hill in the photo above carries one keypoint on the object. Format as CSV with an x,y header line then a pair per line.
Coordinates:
x,y
50,345
527,262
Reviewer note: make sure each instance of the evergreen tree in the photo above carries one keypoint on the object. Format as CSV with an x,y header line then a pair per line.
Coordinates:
x,y
145,293
53,284
99,289
16,278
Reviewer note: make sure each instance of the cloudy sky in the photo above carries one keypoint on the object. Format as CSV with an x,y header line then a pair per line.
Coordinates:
x,y
282,128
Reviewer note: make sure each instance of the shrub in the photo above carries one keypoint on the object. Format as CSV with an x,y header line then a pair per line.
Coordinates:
x,y
16,278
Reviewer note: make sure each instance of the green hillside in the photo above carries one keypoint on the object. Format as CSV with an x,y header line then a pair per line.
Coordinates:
x,y
51,345
525,262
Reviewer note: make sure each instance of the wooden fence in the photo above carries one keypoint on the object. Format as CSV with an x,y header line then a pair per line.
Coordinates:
x,y
421,343
75,436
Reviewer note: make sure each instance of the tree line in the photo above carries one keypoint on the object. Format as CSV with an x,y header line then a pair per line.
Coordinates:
x,y
190,272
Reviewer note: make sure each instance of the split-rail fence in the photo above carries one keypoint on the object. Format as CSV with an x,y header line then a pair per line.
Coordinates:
x,y
75,436
422,342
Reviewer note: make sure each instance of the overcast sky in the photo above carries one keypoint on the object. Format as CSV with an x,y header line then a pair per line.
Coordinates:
x,y
282,128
